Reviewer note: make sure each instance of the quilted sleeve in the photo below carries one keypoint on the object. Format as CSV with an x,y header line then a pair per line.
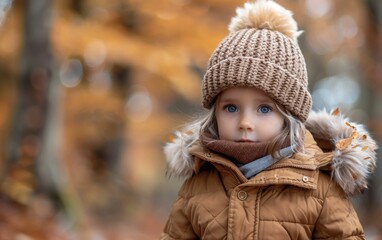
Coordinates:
x,y
338,219
178,225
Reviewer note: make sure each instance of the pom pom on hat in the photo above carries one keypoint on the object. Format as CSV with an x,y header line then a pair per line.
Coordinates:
x,y
265,14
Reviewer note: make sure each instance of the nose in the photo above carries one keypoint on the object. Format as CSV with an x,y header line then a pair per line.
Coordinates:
x,y
246,122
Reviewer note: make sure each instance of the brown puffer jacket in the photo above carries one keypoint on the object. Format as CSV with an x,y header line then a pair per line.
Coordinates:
x,y
303,197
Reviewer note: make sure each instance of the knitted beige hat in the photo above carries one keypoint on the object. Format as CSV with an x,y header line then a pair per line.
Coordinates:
x,y
261,51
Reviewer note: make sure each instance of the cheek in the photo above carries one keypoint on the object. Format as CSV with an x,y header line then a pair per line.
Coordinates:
x,y
225,127
278,124
273,126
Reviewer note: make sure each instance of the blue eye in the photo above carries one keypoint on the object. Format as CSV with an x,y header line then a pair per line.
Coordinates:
x,y
265,109
231,108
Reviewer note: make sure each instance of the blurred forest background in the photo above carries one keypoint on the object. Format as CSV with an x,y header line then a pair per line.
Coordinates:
x,y
91,90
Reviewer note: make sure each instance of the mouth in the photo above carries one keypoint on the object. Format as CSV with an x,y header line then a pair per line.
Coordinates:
x,y
245,140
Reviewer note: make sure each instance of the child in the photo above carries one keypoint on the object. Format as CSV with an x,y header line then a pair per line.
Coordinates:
x,y
260,165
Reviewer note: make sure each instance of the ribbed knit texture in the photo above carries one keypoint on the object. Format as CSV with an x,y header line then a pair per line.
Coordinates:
x,y
265,59
241,152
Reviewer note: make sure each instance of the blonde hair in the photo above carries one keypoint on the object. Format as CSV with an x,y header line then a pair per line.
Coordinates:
x,y
293,131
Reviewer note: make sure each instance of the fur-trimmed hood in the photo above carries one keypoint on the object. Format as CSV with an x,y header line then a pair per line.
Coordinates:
x,y
353,151
349,150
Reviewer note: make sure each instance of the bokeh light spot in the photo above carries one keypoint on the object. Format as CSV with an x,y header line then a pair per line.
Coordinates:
x,y
336,91
95,53
71,73
318,8
139,106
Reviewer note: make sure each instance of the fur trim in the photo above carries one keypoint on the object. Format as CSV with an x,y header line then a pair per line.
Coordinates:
x,y
354,155
179,161
265,14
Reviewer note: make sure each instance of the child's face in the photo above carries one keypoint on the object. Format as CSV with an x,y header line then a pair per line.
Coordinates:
x,y
246,114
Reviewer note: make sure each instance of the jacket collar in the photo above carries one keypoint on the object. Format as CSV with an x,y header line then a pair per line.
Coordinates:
x,y
296,170
335,144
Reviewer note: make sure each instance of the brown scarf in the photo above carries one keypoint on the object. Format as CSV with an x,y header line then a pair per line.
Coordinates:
x,y
242,152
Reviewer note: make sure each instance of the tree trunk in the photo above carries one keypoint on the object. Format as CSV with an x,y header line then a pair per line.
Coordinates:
x,y
33,114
